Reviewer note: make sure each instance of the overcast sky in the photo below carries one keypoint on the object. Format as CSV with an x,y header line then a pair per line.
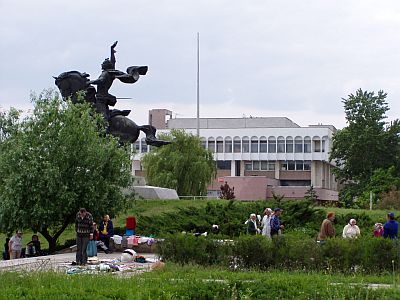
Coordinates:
x,y
261,58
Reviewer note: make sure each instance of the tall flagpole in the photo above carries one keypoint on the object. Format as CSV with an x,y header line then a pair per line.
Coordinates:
x,y
198,85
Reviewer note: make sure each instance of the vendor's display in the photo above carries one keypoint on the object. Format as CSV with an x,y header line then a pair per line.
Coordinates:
x,y
128,255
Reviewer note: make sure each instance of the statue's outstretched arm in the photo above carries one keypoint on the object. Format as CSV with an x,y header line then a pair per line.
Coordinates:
x,y
99,80
112,56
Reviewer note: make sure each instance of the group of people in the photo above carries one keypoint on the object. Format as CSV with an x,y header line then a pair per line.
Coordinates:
x,y
13,247
351,230
270,223
87,230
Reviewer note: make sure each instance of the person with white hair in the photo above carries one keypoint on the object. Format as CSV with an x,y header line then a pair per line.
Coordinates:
x,y
266,222
252,225
351,230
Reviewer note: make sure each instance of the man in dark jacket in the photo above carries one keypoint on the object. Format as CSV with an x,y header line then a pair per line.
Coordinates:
x,y
84,232
252,225
391,227
106,230
276,226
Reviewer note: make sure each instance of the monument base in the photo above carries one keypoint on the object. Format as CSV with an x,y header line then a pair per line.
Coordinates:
x,y
154,192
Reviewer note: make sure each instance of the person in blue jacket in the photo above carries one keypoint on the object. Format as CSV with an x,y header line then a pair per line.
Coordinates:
x,y
391,227
276,226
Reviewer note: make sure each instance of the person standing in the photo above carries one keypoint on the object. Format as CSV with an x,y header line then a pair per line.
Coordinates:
x,y
106,230
84,232
391,227
276,226
351,230
266,223
6,253
252,225
327,229
378,230
15,245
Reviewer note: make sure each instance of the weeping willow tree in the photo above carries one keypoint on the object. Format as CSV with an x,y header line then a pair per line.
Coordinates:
x,y
184,165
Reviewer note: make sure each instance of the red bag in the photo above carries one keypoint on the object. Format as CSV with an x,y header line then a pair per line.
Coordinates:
x,y
131,223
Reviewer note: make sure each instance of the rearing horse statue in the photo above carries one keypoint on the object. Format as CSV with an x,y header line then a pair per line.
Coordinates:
x,y
70,83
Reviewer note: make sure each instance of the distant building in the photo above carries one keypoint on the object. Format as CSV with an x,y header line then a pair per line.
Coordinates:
x,y
259,156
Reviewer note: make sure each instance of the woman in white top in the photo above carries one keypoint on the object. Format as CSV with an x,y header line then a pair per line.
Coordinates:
x,y
265,223
351,230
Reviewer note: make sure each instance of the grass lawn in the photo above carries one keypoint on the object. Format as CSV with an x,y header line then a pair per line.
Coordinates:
x,y
193,282
376,215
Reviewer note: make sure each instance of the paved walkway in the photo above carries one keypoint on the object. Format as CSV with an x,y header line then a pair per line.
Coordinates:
x,y
62,263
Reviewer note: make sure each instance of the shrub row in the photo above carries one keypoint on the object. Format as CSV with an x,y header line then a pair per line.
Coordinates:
x,y
363,255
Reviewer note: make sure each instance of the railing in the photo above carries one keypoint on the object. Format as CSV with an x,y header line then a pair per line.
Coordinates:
x,y
197,197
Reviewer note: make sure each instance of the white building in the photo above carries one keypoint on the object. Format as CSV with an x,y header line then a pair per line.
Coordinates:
x,y
260,156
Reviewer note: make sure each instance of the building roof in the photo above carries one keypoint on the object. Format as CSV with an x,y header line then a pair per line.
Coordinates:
x,y
231,123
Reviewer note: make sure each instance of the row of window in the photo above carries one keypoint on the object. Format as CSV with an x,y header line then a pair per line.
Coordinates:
x,y
264,165
298,145
259,165
265,146
297,165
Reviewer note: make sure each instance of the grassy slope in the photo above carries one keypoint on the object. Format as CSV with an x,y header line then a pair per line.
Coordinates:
x,y
376,214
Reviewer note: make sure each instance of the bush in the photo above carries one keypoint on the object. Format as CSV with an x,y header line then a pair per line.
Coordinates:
x,y
292,252
189,249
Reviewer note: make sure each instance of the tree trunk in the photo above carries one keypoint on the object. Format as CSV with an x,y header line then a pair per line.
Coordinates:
x,y
52,240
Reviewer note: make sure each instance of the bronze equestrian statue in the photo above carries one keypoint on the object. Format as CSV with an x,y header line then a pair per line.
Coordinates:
x,y
70,83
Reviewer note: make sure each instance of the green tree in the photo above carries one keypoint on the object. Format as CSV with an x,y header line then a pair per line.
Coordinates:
x,y
311,194
8,124
58,160
381,182
184,165
366,144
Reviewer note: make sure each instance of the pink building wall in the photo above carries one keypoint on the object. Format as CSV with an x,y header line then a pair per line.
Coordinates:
x,y
261,188
298,192
250,187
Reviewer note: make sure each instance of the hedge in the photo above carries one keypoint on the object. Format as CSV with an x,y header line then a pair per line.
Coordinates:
x,y
362,255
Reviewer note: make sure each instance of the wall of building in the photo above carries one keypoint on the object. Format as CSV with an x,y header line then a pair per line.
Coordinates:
x,y
250,187
263,142
298,192
159,117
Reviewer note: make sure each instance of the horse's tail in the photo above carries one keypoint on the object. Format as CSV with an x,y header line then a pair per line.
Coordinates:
x,y
151,139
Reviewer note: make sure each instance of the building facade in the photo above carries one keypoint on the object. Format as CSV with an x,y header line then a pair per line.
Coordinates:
x,y
262,156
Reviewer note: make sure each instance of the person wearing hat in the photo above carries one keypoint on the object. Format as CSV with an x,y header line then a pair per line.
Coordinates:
x,y
252,225
378,230
351,230
391,227
15,245
327,229
266,223
276,225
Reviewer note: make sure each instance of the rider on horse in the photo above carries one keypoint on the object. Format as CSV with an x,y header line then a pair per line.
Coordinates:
x,y
105,80
71,82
